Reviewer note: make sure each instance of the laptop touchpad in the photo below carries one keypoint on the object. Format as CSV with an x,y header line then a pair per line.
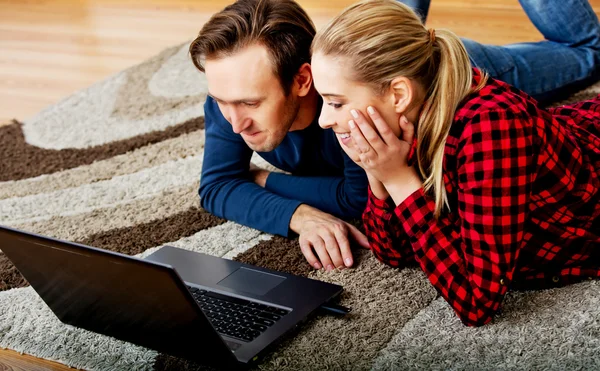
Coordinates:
x,y
251,281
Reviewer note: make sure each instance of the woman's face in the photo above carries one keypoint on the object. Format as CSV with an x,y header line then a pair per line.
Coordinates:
x,y
341,95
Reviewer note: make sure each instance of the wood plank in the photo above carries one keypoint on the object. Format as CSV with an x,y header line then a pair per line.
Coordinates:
x,y
13,361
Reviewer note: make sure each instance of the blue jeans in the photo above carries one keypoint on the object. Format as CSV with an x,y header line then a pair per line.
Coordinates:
x,y
567,60
421,7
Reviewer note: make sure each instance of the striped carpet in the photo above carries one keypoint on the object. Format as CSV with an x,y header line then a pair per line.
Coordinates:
x,y
117,166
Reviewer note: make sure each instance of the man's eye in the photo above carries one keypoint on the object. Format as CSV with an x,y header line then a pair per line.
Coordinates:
x,y
335,105
250,104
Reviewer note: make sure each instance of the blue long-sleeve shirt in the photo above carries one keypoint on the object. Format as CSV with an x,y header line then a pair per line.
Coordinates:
x,y
322,176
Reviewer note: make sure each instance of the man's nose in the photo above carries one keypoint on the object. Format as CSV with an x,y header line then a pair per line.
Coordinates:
x,y
238,121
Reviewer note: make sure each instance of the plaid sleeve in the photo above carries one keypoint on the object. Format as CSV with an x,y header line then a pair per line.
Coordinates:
x,y
470,254
386,239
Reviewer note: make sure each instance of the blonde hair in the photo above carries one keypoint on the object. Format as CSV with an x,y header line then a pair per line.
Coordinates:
x,y
384,39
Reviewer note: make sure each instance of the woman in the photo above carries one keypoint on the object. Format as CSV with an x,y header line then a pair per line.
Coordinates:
x,y
468,177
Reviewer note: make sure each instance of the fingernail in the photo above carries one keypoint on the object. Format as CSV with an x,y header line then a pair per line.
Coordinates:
x,y
354,113
351,124
317,266
371,110
330,267
348,262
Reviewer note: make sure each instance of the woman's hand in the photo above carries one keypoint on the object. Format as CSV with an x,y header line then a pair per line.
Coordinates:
x,y
383,155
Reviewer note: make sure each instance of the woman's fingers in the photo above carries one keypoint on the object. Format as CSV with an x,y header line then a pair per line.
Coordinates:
x,y
383,129
408,130
369,133
362,145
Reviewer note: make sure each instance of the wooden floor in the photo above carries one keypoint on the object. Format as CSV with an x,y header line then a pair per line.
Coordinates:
x,y
52,48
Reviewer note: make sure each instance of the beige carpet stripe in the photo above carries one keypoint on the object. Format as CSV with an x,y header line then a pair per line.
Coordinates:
x,y
191,144
382,301
80,226
120,189
20,160
142,99
116,109
178,77
554,329
222,240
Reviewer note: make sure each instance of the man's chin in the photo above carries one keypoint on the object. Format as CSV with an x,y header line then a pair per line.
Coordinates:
x,y
260,147
264,146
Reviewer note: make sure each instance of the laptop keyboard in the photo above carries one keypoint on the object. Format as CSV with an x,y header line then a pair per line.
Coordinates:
x,y
234,317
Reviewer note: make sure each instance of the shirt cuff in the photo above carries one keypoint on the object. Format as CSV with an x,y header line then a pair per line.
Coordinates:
x,y
381,208
282,225
415,213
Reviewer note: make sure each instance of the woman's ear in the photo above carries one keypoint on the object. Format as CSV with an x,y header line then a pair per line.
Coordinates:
x,y
402,94
303,80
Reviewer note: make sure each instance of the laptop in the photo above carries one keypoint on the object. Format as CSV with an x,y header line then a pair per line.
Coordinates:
x,y
191,305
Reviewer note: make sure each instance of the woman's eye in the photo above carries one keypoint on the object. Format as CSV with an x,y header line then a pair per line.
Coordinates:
x,y
335,105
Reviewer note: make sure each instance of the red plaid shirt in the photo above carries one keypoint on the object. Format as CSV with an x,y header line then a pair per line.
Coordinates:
x,y
523,185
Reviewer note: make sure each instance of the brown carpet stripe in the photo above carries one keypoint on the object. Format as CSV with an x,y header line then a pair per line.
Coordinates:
x,y
164,362
137,239
10,277
20,160
278,254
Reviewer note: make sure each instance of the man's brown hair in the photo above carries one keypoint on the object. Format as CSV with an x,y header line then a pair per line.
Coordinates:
x,y
282,26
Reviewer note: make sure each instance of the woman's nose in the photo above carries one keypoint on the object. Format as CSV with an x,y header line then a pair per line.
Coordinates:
x,y
325,120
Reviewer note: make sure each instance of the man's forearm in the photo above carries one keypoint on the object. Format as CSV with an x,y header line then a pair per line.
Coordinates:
x,y
259,176
243,202
329,194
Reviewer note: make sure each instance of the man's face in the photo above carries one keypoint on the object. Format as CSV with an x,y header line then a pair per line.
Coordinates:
x,y
251,97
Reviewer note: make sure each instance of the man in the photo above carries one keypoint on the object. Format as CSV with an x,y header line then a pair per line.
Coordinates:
x,y
255,54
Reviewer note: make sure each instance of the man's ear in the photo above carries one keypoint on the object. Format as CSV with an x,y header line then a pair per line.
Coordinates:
x,y
402,93
303,80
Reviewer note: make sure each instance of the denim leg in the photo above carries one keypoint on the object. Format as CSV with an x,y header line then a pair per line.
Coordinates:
x,y
568,22
421,7
569,58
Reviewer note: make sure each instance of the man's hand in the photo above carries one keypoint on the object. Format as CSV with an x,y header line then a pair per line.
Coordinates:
x,y
258,175
325,235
